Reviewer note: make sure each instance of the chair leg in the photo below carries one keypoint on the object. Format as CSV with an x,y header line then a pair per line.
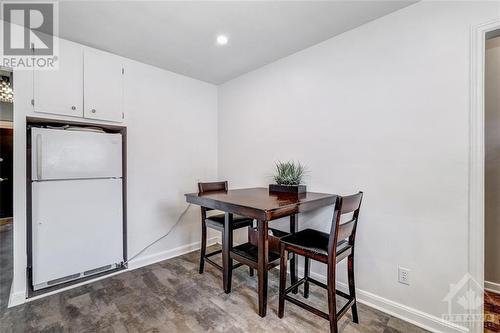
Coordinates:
x,y
283,263
332,301
203,249
352,288
307,268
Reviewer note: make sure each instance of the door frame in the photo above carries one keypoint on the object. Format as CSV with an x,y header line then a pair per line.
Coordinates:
x,y
476,225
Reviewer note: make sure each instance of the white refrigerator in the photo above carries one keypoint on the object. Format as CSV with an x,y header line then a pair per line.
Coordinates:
x,y
77,204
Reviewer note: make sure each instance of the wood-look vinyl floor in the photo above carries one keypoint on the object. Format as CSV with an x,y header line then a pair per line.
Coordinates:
x,y
491,312
171,296
5,263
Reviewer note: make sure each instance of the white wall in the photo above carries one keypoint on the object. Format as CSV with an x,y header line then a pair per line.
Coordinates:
x,y
383,108
172,142
492,163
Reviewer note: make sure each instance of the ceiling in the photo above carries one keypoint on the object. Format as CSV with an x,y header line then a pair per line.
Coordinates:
x,y
180,36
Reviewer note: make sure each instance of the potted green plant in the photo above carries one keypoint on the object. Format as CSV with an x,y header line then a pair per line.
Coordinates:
x,y
288,177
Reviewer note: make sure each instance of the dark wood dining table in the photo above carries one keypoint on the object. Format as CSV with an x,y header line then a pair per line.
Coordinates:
x,y
264,206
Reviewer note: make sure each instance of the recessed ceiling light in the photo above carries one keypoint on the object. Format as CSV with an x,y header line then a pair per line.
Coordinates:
x,y
222,39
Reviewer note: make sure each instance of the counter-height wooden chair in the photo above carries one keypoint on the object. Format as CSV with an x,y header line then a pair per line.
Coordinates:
x,y
217,222
329,249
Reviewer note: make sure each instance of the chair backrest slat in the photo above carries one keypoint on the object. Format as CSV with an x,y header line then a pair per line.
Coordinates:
x,y
345,230
212,186
351,203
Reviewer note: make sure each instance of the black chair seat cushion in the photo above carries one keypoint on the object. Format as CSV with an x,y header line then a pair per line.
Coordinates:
x,y
217,221
313,241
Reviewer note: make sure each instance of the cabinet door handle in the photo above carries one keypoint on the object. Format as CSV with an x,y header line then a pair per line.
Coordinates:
x,y
93,111
3,179
73,108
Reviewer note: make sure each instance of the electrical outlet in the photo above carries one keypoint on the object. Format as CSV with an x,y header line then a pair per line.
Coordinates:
x,y
404,275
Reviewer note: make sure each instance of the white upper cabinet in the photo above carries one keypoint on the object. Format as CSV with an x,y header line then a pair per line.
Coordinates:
x,y
102,86
87,83
60,91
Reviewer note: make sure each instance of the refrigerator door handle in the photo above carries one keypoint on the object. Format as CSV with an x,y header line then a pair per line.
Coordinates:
x,y
39,157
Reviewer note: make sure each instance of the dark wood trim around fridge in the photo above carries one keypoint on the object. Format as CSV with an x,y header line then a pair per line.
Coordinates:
x,y
123,131
39,122
29,267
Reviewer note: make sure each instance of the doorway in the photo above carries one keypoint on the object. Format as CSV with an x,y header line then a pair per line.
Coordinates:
x,y
6,184
492,182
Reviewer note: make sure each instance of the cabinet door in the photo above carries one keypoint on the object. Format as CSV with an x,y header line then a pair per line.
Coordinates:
x,y
103,86
60,91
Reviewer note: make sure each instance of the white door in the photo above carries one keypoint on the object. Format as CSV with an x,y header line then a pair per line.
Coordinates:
x,y
65,154
103,86
60,91
77,227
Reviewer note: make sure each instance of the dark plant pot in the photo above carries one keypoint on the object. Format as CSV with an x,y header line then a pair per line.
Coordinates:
x,y
287,188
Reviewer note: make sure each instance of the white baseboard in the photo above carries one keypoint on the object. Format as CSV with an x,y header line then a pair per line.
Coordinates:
x,y
19,297
164,255
403,312
492,286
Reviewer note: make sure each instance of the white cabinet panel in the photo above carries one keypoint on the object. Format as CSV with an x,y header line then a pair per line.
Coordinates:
x,y
77,227
103,86
60,91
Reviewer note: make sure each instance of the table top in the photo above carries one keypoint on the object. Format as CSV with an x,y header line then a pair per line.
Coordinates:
x,y
259,203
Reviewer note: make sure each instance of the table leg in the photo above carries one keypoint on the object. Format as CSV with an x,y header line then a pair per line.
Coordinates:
x,y
294,271
227,245
262,265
